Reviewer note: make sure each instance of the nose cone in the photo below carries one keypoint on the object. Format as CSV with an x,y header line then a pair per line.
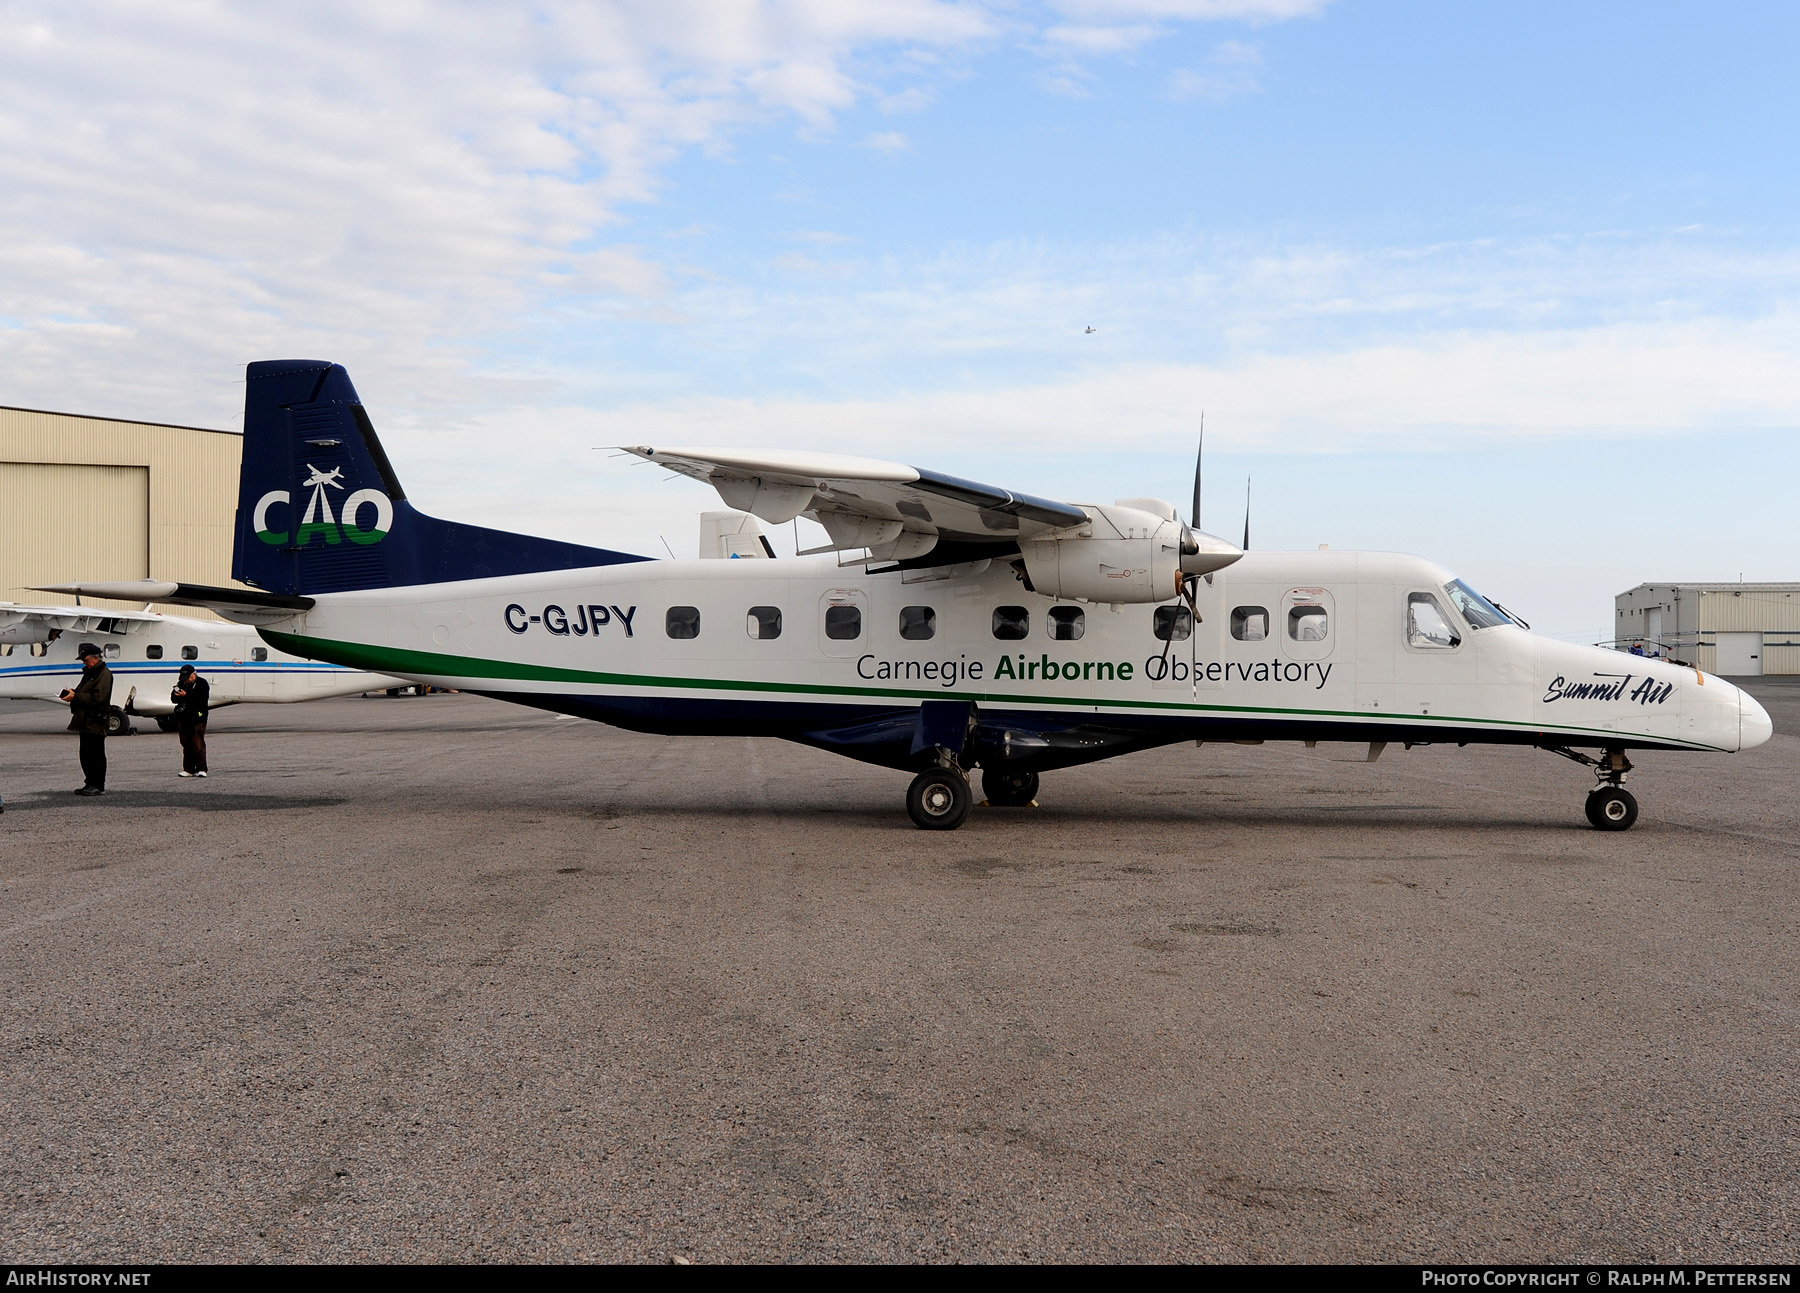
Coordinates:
x,y
1203,553
1754,726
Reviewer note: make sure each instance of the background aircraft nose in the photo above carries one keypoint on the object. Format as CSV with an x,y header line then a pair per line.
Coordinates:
x,y
1754,726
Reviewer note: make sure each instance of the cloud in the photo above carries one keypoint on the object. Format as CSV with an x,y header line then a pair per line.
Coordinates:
x,y
1229,72
1070,80
1192,10
1091,39
1455,391
184,185
888,141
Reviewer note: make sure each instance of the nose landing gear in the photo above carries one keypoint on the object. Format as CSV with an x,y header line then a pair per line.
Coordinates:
x,y
1610,807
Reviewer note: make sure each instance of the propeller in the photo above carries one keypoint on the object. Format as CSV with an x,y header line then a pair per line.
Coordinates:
x,y
1190,584
1246,544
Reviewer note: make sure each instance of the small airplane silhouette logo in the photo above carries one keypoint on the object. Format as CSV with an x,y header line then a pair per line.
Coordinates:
x,y
1092,328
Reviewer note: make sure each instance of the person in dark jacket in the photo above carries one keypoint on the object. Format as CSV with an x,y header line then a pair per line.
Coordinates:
x,y
191,696
90,704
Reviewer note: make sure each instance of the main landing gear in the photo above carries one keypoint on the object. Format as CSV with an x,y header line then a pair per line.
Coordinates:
x,y
1009,789
1610,807
939,797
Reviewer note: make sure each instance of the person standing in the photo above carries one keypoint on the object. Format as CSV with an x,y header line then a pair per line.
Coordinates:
x,y
90,704
191,696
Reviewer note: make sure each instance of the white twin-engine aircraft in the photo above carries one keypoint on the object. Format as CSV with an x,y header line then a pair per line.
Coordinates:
x,y
975,627
145,650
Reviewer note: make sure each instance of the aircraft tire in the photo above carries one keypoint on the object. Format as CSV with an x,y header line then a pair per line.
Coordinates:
x,y
1611,808
938,799
118,722
1005,789
166,723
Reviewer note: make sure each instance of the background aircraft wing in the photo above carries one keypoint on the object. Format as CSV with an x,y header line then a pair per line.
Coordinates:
x,y
898,512
36,623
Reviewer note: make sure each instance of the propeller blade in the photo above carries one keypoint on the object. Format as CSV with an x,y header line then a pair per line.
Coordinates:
x,y
1246,543
1199,456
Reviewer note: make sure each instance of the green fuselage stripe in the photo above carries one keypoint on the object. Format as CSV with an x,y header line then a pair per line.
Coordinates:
x,y
401,660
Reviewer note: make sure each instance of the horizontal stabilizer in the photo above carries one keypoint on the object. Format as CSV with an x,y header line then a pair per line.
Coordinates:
x,y
240,605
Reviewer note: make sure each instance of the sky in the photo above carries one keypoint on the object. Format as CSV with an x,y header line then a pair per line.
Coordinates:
x,y
1514,287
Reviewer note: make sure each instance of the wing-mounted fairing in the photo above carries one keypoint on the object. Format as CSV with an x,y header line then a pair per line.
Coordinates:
x,y
239,605
917,518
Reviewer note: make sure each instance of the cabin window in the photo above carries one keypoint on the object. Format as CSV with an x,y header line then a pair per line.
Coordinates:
x,y
40,648
1249,623
1308,622
1011,623
153,651
843,623
190,653
1067,623
682,622
259,654
1428,626
110,651
763,622
1173,624
918,623
6,648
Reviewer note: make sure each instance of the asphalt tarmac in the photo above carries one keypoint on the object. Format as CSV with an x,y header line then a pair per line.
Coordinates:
x,y
445,979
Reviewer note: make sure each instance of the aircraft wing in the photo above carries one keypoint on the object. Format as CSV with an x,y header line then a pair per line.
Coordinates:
x,y
240,605
897,512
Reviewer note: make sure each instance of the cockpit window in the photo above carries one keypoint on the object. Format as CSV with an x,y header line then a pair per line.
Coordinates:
x,y
1427,625
1476,609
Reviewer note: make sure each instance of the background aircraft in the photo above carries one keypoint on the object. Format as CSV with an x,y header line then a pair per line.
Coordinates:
x,y
145,650
972,627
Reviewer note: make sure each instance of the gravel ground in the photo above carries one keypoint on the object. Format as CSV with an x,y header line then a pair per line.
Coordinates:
x,y
444,979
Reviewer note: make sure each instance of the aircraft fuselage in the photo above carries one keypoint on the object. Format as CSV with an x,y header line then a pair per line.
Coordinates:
x,y
1290,646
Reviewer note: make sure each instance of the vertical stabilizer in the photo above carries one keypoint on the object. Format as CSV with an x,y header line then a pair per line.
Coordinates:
x,y
320,509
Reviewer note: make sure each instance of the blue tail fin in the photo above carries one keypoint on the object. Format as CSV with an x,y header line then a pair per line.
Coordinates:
x,y
321,511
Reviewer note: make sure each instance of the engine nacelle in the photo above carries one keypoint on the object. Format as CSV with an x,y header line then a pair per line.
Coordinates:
x,y
1123,554
27,628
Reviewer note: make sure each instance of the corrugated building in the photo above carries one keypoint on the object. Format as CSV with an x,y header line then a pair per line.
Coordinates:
x,y
1729,629
103,498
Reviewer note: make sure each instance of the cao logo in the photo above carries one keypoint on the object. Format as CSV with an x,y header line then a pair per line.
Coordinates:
x,y
318,520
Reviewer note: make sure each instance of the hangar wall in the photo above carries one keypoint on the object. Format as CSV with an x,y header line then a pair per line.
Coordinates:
x,y
1724,628
103,498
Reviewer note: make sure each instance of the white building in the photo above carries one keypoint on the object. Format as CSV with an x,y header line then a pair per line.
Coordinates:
x,y
1727,629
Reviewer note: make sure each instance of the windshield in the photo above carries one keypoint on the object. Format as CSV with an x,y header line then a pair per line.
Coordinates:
x,y
1476,609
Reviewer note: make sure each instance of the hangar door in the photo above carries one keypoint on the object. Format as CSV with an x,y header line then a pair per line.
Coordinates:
x,y
61,522
1739,654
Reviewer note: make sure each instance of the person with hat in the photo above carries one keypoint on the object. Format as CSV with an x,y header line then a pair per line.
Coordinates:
x,y
90,705
191,695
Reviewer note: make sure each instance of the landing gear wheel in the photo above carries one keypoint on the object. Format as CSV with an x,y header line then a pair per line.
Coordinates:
x,y
166,723
118,723
1009,789
938,799
1611,809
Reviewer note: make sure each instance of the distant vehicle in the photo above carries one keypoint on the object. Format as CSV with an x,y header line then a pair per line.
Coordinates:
x,y
953,626
145,650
